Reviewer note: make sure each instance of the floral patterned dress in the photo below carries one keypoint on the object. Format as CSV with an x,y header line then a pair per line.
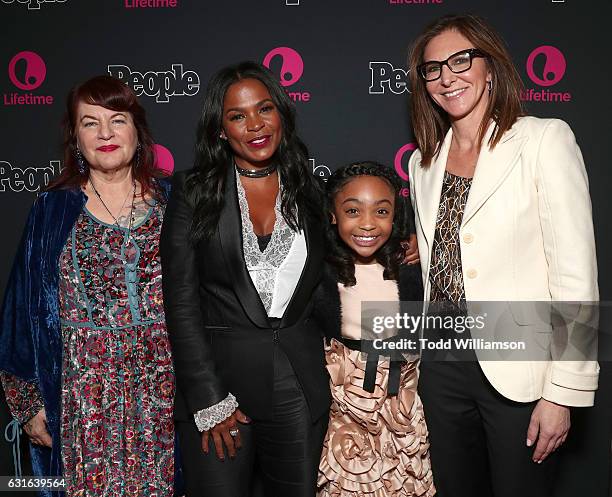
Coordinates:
x,y
117,427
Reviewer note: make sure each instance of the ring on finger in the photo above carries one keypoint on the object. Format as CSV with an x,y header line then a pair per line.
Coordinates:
x,y
234,432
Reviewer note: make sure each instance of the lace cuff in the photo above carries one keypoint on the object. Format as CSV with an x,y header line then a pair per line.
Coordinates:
x,y
213,415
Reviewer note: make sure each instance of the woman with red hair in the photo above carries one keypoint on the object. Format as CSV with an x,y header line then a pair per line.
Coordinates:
x,y
84,353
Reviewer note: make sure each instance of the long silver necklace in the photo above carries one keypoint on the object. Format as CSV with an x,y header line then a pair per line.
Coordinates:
x,y
129,231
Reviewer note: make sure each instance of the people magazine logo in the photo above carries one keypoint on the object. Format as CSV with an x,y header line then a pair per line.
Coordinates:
x,y
320,170
545,67
386,78
150,4
289,65
161,85
34,179
33,4
30,179
400,164
27,72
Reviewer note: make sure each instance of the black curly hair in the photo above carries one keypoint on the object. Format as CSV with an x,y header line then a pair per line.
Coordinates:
x,y
390,255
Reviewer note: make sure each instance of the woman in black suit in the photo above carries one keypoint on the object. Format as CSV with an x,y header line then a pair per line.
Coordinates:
x,y
241,252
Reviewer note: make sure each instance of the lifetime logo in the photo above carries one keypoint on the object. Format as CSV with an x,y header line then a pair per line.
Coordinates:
x,y
291,70
546,67
386,77
416,2
150,4
31,179
399,159
163,159
159,84
33,4
27,71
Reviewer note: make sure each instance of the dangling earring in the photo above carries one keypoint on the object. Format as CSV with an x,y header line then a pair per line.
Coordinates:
x,y
82,164
222,136
137,161
490,85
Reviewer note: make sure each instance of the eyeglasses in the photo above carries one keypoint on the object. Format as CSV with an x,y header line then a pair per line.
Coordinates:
x,y
457,63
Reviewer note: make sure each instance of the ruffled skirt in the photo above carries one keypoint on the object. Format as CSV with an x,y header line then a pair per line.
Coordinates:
x,y
376,445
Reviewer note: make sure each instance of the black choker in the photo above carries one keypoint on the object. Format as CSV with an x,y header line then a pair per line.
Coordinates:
x,y
256,173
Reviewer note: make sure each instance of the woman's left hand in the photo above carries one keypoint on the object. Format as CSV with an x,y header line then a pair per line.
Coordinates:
x,y
36,429
550,424
411,254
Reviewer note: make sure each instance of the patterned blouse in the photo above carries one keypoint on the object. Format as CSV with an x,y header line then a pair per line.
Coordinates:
x,y
445,273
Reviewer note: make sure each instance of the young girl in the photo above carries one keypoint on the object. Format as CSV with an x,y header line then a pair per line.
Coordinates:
x,y
376,442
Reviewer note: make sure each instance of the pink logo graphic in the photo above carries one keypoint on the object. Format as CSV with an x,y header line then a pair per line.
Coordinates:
x,y
554,65
163,158
409,147
292,64
34,73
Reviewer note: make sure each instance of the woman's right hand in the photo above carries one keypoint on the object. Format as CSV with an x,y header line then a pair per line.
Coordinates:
x,y
221,434
36,429
411,250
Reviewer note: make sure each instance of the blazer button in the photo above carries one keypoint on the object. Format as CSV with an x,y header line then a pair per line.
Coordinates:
x,y
468,238
472,273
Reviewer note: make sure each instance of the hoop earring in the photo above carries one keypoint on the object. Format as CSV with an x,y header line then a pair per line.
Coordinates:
x,y
490,85
81,162
137,161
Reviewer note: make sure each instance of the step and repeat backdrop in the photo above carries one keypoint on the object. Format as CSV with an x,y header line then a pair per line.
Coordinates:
x,y
342,62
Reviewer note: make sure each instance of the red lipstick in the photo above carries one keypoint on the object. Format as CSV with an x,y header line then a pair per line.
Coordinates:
x,y
259,142
108,148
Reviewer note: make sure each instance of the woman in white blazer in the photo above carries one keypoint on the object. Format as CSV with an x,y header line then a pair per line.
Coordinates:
x,y
502,214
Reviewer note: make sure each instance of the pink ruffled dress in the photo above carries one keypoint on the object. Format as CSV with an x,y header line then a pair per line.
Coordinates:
x,y
376,444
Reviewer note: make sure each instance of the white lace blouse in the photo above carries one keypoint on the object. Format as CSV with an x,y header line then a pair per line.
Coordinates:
x,y
275,273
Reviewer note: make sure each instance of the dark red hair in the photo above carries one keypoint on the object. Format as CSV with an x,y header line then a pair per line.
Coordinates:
x,y
113,94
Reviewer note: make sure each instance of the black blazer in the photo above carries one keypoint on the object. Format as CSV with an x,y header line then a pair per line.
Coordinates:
x,y
328,311
221,337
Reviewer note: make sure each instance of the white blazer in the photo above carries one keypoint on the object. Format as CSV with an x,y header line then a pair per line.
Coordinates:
x,y
526,235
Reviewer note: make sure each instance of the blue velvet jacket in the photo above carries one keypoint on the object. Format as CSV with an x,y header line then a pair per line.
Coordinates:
x,y
30,332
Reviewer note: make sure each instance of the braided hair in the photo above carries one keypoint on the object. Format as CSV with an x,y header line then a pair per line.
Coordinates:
x,y
340,256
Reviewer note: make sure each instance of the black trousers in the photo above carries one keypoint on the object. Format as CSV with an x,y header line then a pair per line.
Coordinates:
x,y
478,437
282,453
